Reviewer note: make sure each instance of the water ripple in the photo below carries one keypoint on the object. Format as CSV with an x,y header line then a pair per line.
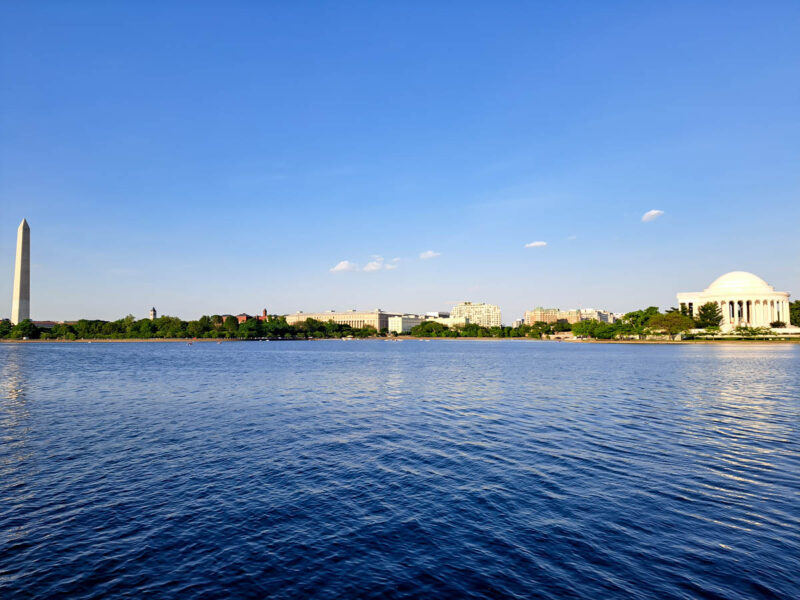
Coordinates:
x,y
374,470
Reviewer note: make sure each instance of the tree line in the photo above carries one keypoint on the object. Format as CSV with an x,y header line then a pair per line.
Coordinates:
x,y
635,324
214,327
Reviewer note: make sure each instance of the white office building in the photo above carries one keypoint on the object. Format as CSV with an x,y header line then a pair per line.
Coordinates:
x,y
480,313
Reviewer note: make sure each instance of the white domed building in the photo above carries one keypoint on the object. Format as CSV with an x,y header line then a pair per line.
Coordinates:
x,y
744,298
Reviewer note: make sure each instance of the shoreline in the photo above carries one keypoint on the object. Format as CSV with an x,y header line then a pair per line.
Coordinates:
x,y
190,341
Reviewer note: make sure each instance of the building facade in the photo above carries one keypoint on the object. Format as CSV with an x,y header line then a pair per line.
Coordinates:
x,y
553,315
744,299
480,313
355,319
570,316
541,315
591,314
404,323
449,321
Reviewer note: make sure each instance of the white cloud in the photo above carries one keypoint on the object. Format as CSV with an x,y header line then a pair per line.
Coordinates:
x,y
651,215
572,237
390,267
344,265
396,259
374,265
536,245
428,254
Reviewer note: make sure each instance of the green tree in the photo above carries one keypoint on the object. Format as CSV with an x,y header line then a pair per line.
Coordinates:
x,y
5,328
751,332
248,329
637,322
794,313
708,315
232,326
24,329
673,323
429,329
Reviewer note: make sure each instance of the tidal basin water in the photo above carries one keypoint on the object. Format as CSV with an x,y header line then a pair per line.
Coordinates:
x,y
375,469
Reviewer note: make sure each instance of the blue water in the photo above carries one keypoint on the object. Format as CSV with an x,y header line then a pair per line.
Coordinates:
x,y
374,469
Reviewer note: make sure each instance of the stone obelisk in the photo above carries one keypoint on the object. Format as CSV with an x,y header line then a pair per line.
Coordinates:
x,y
21,305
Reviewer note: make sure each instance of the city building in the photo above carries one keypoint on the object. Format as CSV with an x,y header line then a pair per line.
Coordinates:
x,y
553,315
570,316
744,299
242,317
21,300
153,314
591,314
517,323
376,318
480,313
541,315
448,321
404,323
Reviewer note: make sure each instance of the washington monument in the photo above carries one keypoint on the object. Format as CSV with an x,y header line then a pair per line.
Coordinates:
x,y
21,305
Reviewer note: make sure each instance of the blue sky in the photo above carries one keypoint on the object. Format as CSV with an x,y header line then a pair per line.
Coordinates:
x,y
211,158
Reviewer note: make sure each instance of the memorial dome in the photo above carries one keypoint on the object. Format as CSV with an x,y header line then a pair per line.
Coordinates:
x,y
739,282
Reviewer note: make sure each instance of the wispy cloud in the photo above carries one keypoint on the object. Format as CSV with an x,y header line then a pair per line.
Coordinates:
x,y
344,265
572,237
428,254
651,215
536,245
376,264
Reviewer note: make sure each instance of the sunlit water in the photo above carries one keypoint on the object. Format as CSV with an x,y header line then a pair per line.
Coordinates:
x,y
380,469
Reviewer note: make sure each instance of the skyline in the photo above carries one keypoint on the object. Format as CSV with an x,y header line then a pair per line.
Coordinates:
x,y
310,159
751,285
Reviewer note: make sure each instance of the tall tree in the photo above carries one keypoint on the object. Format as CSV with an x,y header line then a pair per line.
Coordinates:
x,y
673,323
794,313
709,315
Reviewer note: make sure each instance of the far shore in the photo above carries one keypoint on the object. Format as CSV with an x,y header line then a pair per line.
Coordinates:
x,y
404,338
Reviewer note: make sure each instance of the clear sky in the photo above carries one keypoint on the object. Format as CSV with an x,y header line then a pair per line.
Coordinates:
x,y
225,157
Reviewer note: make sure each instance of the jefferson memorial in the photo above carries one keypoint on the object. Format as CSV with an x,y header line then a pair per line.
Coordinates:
x,y
744,298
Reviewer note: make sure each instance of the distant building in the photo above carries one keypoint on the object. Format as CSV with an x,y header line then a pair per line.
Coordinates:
x,y
743,299
437,314
404,323
518,323
242,317
153,314
603,316
480,313
553,315
541,315
376,318
570,316
449,321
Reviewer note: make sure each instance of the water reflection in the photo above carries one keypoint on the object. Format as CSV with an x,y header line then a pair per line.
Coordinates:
x,y
14,429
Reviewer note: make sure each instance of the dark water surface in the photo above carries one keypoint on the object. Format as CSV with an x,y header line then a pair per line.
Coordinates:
x,y
373,469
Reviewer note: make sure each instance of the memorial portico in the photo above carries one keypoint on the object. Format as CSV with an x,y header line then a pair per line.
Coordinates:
x,y
743,298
